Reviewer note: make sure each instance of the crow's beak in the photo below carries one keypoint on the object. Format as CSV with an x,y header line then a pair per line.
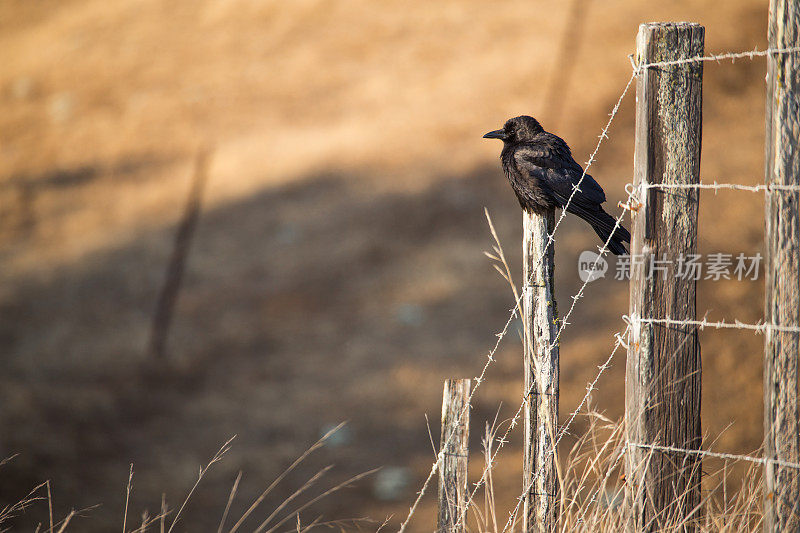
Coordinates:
x,y
496,134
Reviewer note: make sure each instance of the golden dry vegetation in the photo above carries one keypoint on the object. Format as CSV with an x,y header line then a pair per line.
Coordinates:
x,y
337,271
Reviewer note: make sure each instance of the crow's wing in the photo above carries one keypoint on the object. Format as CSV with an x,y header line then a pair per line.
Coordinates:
x,y
549,161
547,151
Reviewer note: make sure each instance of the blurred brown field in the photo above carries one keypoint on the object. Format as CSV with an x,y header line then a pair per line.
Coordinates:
x,y
337,270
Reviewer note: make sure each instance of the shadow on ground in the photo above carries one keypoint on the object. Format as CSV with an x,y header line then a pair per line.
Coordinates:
x,y
319,301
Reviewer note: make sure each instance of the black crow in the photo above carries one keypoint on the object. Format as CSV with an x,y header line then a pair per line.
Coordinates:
x,y
542,172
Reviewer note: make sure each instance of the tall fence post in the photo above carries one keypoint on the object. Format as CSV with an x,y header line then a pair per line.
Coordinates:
x,y
782,285
541,362
662,391
453,492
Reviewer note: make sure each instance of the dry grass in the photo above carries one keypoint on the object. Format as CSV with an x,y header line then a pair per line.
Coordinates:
x,y
167,520
593,487
592,494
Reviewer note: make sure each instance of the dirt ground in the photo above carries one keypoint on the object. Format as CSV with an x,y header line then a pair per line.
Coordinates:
x,y
337,271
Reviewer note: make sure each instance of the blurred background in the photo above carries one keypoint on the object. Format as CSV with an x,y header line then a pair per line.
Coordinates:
x,y
337,270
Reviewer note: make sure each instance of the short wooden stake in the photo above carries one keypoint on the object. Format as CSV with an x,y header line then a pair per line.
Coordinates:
x,y
453,492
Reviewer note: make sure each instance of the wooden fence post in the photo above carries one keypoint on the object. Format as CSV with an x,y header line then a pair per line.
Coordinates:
x,y
541,366
662,391
782,285
453,472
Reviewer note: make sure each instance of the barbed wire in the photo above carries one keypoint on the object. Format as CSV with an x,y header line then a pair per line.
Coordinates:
x,y
759,328
770,187
718,455
733,56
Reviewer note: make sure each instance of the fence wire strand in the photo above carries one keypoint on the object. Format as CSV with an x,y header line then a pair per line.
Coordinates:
x,y
771,187
759,328
717,455
733,56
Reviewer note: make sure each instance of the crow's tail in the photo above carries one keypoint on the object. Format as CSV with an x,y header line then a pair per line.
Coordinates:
x,y
603,224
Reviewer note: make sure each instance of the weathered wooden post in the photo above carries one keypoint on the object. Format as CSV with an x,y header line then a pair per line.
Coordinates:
x,y
539,473
782,285
662,392
453,492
